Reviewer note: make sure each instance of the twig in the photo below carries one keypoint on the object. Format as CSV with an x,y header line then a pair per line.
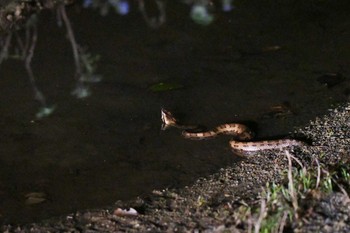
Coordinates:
x,y
250,223
318,173
154,22
282,222
298,161
27,63
291,184
257,225
342,189
62,11
5,48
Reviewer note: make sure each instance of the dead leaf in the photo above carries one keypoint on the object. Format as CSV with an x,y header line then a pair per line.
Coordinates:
x,y
35,198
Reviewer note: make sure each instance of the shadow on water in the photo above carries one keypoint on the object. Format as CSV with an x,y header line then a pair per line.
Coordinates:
x,y
92,152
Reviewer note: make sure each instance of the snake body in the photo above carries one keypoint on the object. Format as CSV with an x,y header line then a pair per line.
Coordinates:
x,y
264,145
240,132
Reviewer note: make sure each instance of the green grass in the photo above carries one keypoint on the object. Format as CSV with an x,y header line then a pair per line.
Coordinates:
x,y
282,206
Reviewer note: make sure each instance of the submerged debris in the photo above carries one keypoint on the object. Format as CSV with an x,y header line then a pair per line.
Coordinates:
x,y
331,79
279,111
164,86
35,198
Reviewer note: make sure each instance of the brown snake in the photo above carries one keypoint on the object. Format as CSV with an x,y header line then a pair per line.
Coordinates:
x,y
239,131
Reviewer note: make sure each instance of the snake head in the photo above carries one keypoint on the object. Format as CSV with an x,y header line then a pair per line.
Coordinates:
x,y
167,119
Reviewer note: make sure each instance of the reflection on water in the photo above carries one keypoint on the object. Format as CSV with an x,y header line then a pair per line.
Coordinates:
x,y
92,152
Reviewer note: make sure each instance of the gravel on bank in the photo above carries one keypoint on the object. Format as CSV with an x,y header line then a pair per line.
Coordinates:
x,y
213,204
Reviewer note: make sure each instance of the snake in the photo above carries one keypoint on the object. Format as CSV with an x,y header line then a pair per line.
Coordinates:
x,y
241,133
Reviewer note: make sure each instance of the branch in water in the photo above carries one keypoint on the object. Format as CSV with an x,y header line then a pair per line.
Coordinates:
x,y
154,22
62,11
27,63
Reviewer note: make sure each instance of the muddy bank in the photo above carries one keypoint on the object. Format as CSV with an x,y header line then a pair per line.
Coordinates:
x,y
213,203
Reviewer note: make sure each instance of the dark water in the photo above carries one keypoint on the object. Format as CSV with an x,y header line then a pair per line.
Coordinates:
x,y
107,147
